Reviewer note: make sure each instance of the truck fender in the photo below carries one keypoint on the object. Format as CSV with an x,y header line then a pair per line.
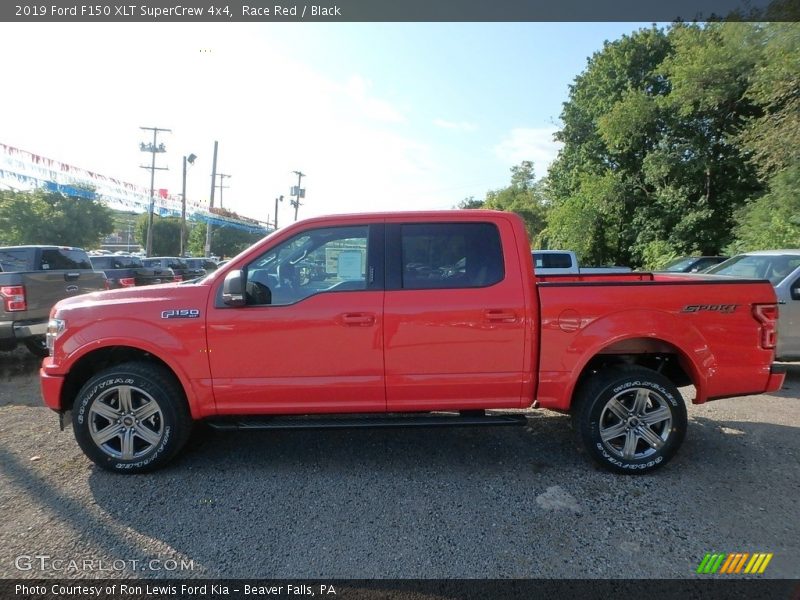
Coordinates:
x,y
167,346
602,333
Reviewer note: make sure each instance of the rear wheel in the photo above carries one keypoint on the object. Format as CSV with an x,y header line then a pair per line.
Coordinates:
x,y
630,419
131,418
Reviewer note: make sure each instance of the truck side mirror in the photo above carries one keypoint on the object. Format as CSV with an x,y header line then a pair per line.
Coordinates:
x,y
233,289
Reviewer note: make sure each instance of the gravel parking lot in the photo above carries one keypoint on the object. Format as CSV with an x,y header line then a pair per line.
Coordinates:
x,y
449,503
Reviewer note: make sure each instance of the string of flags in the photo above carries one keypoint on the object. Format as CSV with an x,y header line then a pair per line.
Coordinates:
x,y
20,169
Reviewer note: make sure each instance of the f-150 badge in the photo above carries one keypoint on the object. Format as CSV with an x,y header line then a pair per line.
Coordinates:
x,y
180,313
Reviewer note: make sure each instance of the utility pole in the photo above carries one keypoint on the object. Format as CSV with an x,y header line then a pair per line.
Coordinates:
x,y
222,177
278,199
190,159
154,148
298,193
207,248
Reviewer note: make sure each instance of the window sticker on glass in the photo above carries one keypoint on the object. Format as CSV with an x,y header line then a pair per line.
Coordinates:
x,y
349,264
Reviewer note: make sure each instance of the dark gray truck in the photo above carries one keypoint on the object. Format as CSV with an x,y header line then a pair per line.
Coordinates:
x,y
32,280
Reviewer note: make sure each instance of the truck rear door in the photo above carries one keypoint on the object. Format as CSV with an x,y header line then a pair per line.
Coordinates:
x,y
454,316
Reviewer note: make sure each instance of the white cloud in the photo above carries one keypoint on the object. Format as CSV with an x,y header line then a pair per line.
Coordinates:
x,y
455,126
270,113
358,89
536,144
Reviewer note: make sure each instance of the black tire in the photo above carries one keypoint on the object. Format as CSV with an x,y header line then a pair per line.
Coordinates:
x,y
140,408
630,419
37,345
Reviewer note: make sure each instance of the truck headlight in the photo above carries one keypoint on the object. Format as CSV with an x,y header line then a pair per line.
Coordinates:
x,y
55,327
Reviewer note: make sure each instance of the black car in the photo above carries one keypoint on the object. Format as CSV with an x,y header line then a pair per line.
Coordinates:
x,y
692,264
127,271
202,266
178,265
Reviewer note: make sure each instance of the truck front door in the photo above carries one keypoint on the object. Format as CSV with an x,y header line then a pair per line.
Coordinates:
x,y
310,338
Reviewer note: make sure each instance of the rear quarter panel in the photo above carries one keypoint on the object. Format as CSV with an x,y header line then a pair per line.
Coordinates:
x,y
719,348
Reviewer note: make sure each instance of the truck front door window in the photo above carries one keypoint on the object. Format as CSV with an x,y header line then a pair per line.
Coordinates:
x,y
323,260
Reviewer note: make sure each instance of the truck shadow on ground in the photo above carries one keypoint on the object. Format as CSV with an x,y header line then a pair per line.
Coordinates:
x,y
403,503
791,386
18,363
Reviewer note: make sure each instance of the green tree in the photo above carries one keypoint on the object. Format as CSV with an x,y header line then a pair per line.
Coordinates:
x,y
471,202
225,241
524,196
773,220
42,217
651,145
166,234
773,135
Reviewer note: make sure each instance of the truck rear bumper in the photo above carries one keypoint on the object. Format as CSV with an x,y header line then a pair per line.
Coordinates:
x,y
26,330
51,387
777,374
10,330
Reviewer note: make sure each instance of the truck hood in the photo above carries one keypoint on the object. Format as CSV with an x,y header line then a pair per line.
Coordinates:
x,y
131,301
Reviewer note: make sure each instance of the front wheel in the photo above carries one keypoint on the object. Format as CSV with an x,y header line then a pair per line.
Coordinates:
x,y
131,418
630,419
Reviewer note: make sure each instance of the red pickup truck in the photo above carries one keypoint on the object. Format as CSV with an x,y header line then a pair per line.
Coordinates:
x,y
433,318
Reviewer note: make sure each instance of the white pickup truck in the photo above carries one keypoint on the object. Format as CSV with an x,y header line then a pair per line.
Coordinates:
x,y
564,262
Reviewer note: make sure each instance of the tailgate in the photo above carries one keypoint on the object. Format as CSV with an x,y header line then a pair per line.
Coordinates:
x,y
44,288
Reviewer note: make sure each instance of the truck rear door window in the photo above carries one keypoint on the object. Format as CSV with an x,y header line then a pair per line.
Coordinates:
x,y
16,260
450,255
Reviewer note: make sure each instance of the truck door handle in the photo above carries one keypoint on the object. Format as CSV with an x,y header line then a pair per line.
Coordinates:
x,y
358,319
500,316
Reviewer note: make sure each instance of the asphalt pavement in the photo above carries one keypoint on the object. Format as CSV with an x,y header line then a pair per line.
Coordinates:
x,y
509,502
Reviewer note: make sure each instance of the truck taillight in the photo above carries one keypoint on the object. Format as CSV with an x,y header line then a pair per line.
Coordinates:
x,y
767,316
127,281
14,297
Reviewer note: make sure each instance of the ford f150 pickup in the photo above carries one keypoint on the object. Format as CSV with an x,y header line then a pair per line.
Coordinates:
x,y
363,321
32,280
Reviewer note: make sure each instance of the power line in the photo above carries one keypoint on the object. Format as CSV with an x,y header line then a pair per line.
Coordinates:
x,y
298,193
154,148
221,187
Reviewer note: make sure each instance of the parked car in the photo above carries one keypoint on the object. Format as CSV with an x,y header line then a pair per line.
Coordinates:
x,y
180,269
565,262
33,279
391,329
782,269
201,266
692,264
127,271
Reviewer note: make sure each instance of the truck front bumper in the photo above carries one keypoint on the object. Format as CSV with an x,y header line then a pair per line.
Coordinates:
x,y
51,385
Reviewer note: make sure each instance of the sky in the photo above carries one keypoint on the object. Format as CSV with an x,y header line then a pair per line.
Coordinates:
x,y
379,116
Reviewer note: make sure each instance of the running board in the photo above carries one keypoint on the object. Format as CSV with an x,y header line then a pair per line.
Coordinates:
x,y
373,421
